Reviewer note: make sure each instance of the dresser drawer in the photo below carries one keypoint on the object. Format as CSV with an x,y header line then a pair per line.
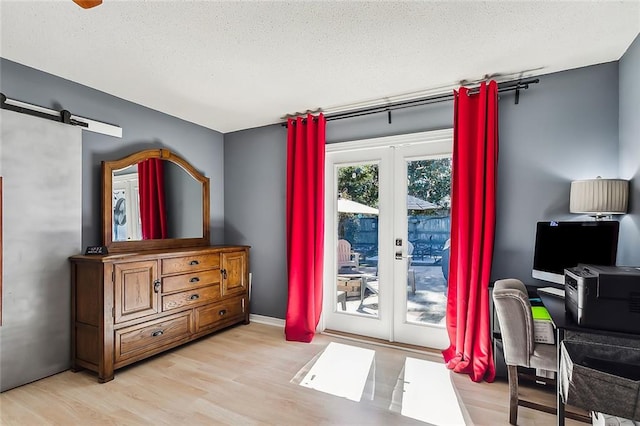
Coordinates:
x,y
193,263
138,339
220,313
186,298
190,281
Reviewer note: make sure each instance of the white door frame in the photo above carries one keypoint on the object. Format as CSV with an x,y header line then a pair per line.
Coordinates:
x,y
441,141
404,331
380,326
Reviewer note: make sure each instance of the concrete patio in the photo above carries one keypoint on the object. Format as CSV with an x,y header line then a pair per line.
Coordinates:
x,y
427,305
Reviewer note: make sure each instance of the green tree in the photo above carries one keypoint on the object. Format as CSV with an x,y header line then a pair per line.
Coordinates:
x,y
359,183
429,180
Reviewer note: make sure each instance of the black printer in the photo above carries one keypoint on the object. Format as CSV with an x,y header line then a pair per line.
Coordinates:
x,y
604,297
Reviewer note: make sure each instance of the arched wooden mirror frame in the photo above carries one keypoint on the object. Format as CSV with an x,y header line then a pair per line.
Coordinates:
x,y
108,167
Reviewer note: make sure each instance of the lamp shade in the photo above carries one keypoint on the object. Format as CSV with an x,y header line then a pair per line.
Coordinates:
x,y
599,196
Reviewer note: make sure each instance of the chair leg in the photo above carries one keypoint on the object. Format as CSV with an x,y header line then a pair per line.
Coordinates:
x,y
512,373
342,299
411,275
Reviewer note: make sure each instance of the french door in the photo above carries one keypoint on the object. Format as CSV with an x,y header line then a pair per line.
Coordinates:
x,y
386,237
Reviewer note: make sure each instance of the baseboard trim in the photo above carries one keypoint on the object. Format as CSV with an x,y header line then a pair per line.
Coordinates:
x,y
379,342
262,319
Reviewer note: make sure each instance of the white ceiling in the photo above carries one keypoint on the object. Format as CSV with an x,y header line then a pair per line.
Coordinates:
x,y
241,64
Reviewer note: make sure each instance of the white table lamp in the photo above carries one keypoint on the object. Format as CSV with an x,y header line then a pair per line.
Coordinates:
x,y
599,197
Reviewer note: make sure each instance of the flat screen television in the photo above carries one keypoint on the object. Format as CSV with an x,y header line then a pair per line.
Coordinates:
x,y
561,245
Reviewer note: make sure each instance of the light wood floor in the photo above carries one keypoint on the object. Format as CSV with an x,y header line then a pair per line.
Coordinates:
x,y
240,376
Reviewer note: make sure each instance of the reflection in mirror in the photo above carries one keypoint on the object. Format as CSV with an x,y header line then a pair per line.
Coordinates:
x,y
126,205
183,200
155,200
182,205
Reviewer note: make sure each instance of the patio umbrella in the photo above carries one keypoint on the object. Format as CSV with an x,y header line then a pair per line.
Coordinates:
x,y
415,203
349,206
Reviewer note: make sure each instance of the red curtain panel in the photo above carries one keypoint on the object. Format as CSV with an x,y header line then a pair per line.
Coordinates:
x,y
152,206
305,225
473,211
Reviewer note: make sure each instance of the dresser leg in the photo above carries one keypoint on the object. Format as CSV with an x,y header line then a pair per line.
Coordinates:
x,y
105,379
75,368
105,373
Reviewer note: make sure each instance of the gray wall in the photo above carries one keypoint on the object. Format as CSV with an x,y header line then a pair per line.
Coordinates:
x,y
564,128
255,176
142,128
630,152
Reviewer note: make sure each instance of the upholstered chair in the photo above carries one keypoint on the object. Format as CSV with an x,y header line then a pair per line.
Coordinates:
x,y
513,308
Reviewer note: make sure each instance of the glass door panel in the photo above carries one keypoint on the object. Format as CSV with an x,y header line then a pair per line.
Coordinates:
x,y
422,189
357,236
358,274
428,231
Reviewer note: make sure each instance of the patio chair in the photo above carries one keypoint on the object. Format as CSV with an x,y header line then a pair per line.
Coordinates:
x,y
346,257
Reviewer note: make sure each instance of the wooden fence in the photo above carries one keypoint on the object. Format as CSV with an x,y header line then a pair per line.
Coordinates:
x,y
428,234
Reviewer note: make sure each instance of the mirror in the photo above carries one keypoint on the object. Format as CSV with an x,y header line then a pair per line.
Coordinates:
x,y
153,199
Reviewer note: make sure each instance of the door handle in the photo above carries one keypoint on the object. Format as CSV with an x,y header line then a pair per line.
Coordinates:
x,y
156,286
399,256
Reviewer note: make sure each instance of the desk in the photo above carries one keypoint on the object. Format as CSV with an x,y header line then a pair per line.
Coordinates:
x,y
563,321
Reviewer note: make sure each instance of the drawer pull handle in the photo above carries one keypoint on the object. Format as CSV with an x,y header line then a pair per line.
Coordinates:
x,y
157,333
194,280
194,262
194,297
222,312
156,286
224,273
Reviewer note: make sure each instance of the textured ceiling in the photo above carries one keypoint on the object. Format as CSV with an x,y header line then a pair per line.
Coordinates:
x,y
242,64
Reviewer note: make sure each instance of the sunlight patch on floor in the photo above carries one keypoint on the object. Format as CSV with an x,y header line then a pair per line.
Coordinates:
x,y
425,392
340,370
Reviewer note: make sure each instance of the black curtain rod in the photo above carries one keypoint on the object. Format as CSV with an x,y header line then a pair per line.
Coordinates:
x,y
507,86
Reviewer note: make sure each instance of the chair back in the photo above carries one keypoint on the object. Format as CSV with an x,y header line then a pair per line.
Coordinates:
x,y
344,254
511,302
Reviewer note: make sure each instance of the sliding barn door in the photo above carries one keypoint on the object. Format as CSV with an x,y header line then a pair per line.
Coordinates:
x,y
41,166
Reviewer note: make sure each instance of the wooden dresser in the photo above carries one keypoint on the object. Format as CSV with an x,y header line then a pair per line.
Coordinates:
x,y
129,306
